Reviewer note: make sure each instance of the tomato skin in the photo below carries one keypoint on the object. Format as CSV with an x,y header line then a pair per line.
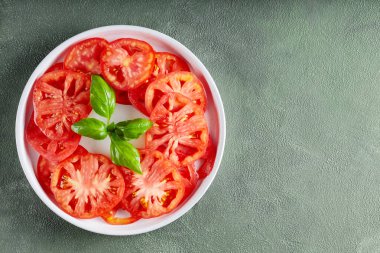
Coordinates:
x,y
127,63
52,150
185,83
45,168
164,63
179,131
55,66
85,56
87,186
157,191
61,98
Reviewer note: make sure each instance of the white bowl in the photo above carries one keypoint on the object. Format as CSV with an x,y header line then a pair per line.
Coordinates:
x,y
160,42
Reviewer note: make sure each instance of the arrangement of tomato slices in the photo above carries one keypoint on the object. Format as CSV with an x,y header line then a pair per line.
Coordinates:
x,y
178,150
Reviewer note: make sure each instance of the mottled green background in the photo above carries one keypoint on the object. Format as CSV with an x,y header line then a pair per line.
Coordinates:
x,y
300,82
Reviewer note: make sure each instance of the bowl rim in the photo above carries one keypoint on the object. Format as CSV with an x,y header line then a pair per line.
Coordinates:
x,y
25,159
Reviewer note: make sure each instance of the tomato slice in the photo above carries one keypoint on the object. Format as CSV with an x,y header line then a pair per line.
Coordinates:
x,y
111,218
52,150
208,160
164,63
61,98
127,63
86,186
190,178
55,66
122,97
157,191
181,82
179,131
45,168
85,56
137,98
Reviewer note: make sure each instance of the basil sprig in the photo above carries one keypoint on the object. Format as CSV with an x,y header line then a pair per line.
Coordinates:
x,y
123,153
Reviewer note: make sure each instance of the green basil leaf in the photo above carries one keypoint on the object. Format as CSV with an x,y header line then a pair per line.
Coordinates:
x,y
90,127
132,129
102,97
124,154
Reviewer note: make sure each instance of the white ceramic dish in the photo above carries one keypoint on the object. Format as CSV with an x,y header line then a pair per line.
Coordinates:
x,y
160,42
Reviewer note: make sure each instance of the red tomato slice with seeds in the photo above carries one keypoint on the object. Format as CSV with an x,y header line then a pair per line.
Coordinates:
x,y
55,66
179,131
85,56
61,98
127,63
181,82
164,63
52,150
122,97
86,186
157,191
45,168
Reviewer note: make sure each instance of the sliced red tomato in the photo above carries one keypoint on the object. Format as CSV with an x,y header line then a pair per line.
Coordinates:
x,y
164,63
208,160
137,98
190,177
127,63
85,56
111,218
52,150
122,97
45,168
55,66
181,82
157,191
179,130
60,99
86,186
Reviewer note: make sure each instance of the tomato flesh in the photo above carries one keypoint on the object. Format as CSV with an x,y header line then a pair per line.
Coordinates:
x,y
122,97
111,218
137,98
86,186
52,150
55,66
190,178
85,56
61,98
181,82
179,131
157,191
208,160
45,168
164,63
127,63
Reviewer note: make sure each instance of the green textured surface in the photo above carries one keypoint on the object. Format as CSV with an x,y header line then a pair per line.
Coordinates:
x,y
300,86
